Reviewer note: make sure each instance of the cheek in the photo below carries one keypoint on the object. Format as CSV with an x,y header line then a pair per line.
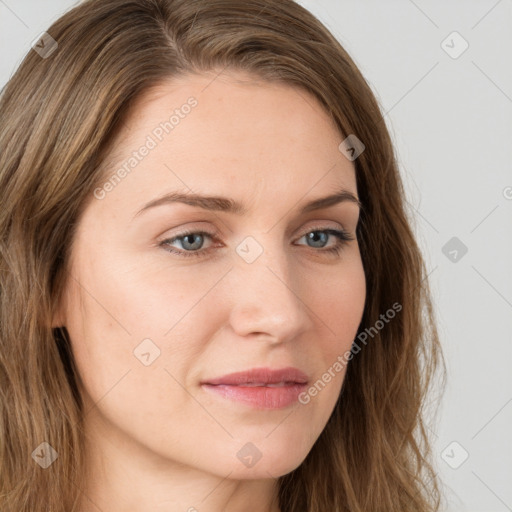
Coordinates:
x,y
152,294
338,299
129,324
338,302
126,373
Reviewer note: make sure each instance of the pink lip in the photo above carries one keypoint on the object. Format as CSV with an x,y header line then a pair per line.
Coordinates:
x,y
251,387
263,375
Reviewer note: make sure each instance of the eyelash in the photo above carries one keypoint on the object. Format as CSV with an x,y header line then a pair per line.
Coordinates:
x,y
342,235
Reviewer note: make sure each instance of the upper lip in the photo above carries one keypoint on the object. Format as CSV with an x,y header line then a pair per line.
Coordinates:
x,y
261,375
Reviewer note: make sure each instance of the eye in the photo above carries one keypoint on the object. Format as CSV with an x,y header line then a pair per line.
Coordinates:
x,y
192,241
342,238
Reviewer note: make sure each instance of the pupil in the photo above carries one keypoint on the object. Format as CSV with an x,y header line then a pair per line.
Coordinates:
x,y
188,239
314,235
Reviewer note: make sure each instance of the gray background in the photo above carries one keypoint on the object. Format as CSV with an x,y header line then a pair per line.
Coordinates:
x,y
451,119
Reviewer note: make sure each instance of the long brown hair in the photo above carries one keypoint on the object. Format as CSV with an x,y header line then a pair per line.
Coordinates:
x,y
59,114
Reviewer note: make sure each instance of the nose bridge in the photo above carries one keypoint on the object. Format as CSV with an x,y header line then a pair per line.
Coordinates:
x,y
262,285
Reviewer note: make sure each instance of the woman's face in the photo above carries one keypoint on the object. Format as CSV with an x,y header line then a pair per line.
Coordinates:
x,y
153,314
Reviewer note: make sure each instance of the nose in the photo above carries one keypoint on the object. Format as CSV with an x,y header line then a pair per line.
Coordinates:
x,y
268,298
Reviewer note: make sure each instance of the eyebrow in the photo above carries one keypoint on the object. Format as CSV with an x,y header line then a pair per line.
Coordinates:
x,y
224,204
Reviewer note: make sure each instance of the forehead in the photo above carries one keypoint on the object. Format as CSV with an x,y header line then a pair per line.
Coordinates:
x,y
229,130
237,104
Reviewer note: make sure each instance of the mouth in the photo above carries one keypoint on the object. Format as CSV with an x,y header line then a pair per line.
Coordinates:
x,y
261,377
260,388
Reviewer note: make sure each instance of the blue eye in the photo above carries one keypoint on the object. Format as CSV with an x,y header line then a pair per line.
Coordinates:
x,y
189,241
192,241
342,236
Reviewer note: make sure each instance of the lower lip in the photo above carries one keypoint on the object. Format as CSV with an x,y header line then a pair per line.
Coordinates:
x,y
260,397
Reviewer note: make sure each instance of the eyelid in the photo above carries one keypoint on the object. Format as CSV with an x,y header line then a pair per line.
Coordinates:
x,y
319,226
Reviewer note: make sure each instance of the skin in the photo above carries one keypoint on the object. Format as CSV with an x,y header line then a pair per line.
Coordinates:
x,y
156,440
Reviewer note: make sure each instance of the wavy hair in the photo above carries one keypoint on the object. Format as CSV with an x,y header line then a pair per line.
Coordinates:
x,y
60,112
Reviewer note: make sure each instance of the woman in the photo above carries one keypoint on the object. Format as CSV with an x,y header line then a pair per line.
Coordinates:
x,y
212,298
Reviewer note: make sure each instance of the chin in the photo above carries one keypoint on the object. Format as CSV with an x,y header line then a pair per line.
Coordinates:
x,y
264,470
266,460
